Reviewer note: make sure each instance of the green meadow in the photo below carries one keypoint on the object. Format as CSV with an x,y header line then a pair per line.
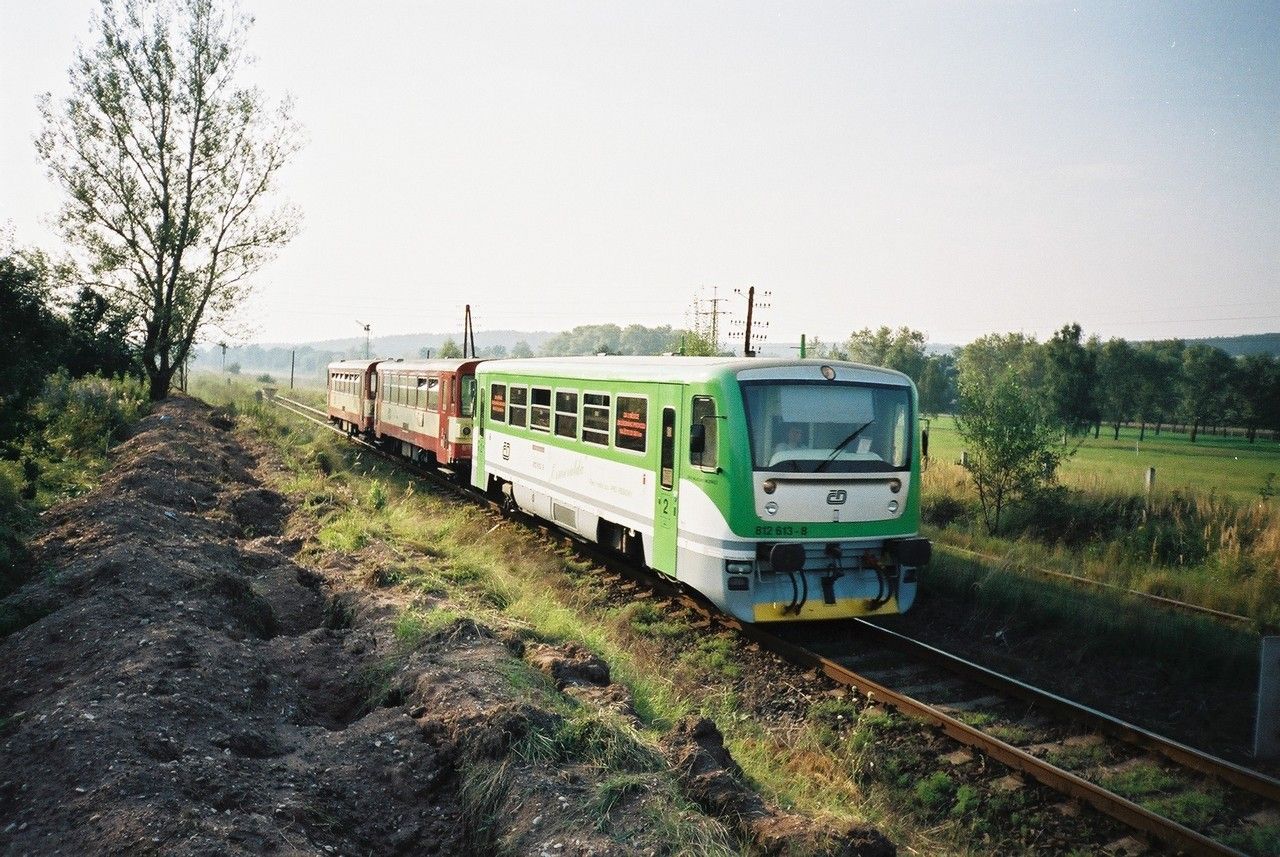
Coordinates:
x,y
1227,466
1209,534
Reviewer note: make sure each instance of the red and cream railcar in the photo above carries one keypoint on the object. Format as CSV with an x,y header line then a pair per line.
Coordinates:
x,y
424,409
352,388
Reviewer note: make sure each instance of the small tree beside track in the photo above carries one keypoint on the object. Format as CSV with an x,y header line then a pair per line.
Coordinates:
x,y
1013,449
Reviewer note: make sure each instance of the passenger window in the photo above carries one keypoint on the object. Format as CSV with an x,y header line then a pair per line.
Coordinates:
x,y
702,433
595,418
433,394
519,406
567,414
540,409
498,403
419,393
631,427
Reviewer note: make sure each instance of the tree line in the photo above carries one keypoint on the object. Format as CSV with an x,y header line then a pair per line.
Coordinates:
x,y
1082,384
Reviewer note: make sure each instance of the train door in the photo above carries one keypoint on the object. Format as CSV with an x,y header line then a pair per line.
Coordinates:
x,y
667,495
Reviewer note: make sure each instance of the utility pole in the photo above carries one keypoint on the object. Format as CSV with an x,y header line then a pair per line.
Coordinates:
x,y
747,350
366,337
468,335
715,300
223,346
293,358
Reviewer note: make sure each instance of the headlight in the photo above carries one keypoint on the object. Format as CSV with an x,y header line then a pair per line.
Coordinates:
x,y
733,567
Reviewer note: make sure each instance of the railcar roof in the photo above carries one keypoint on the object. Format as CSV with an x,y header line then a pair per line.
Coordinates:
x,y
425,365
670,369
352,365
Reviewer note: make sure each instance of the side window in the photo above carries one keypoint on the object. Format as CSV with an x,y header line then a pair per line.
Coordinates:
x,y
433,394
702,433
567,413
631,427
373,385
540,409
498,403
595,418
519,406
386,389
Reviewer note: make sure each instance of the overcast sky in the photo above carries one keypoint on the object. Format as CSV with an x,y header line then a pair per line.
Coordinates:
x,y
958,168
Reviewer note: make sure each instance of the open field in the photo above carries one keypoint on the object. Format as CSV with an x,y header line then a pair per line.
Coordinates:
x,y
1228,466
1207,536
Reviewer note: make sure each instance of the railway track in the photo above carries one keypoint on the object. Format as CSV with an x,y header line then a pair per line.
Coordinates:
x,y
1075,750
1071,748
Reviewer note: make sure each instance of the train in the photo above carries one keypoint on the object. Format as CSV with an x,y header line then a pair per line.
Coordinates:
x,y
779,489
420,409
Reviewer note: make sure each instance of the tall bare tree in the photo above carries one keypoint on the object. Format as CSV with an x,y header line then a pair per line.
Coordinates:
x,y
169,164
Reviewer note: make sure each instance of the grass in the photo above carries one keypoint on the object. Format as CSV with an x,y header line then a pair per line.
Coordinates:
x,y
1162,792
1227,466
1208,535
1198,649
504,575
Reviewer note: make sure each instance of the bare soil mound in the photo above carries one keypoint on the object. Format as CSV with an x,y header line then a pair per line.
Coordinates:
x,y
178,689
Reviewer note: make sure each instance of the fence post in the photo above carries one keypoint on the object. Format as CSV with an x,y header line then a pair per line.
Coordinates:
x,y
1266,728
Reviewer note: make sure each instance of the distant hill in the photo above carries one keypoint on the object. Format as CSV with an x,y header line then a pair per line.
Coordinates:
x,y
1242,346
309,359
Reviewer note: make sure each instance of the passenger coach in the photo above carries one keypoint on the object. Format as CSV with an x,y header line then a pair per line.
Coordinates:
x,y
424,410
780,489
352,384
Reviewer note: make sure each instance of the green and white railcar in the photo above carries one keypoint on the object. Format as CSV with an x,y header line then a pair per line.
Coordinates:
x,y
780,489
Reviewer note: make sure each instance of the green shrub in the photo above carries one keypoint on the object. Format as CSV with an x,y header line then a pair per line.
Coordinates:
x,y
935,792
84,415
15,521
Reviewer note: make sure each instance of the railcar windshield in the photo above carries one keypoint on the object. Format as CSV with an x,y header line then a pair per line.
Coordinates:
x,y
828,427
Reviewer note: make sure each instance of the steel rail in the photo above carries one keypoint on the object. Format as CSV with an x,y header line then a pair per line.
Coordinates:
x,y
1127,812
1184,755
1186,607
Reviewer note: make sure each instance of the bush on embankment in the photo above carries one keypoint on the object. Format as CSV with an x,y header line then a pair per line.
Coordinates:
x,y
70,427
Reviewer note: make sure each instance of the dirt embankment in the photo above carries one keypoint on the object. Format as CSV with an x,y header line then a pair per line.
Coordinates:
x,y
180,685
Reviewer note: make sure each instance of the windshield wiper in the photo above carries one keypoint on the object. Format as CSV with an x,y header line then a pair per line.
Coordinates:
x,y
842,444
